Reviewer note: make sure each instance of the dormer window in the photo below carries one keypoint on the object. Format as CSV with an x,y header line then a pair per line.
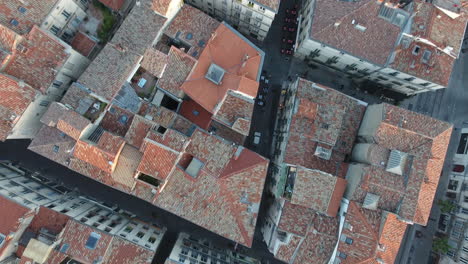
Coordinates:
x,y
416,50
396,162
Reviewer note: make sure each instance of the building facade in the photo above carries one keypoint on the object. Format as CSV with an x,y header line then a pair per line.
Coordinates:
x,y
190,249
37,198
252,18
399,47
453,221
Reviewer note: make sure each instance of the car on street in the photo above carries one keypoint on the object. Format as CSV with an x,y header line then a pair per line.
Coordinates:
x,y
257,136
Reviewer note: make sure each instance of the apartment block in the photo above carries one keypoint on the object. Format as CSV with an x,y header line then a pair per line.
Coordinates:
x,y
252,18
347,191
47,223
190,249
140,120
407,47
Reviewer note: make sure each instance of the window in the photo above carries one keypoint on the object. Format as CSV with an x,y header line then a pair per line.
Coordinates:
x,y
426,56
416,50
195,112
64,248
342,255
92,241
22,10
425,84
55,29
462,144
453,185
2,238
349,241
66,14
394,73
57,84
410,79
44,103
382,78
56,148
251,4
332,60
314,53
14,22
182,259
397,83
464,210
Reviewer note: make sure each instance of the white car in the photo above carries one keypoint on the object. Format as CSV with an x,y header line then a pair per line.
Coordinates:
x,y
257,136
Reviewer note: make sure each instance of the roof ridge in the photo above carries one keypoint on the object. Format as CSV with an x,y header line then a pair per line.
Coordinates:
x,y
238,171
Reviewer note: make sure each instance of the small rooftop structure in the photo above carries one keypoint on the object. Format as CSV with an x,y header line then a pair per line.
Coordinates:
x,y
215,73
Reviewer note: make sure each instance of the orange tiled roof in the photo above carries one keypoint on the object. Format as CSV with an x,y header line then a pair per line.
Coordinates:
x,y
244,60
36,12
83,43
158,160
15,97
9,222
318,107
318,191
38,60
425,140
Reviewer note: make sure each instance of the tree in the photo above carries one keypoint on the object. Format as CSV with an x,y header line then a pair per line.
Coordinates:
x,y
446,206
440,245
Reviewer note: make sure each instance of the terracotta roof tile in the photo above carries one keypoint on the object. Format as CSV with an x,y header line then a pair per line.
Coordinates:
x,y
7,43
318,234
38,65
272,4
76,236
106,75
161,6
121,251
222,201
36,12
53,144
9,223
314,189
195,113
15,97
158,161
49,219
83,43
375,234
244,60
178,67
425,140
348,38
127,165
309,127
97,174
157,114
295,219
138,130
103,154
139,29
234,108
193,27
65,120
117,120
154,62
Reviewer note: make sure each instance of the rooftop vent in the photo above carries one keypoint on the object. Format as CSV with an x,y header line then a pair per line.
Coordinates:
x,y
396,162
371,201
323,152
194,167
215,73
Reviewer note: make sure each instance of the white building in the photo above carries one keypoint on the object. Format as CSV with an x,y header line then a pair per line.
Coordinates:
x,y
454,224
189,249
407,48
251,18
